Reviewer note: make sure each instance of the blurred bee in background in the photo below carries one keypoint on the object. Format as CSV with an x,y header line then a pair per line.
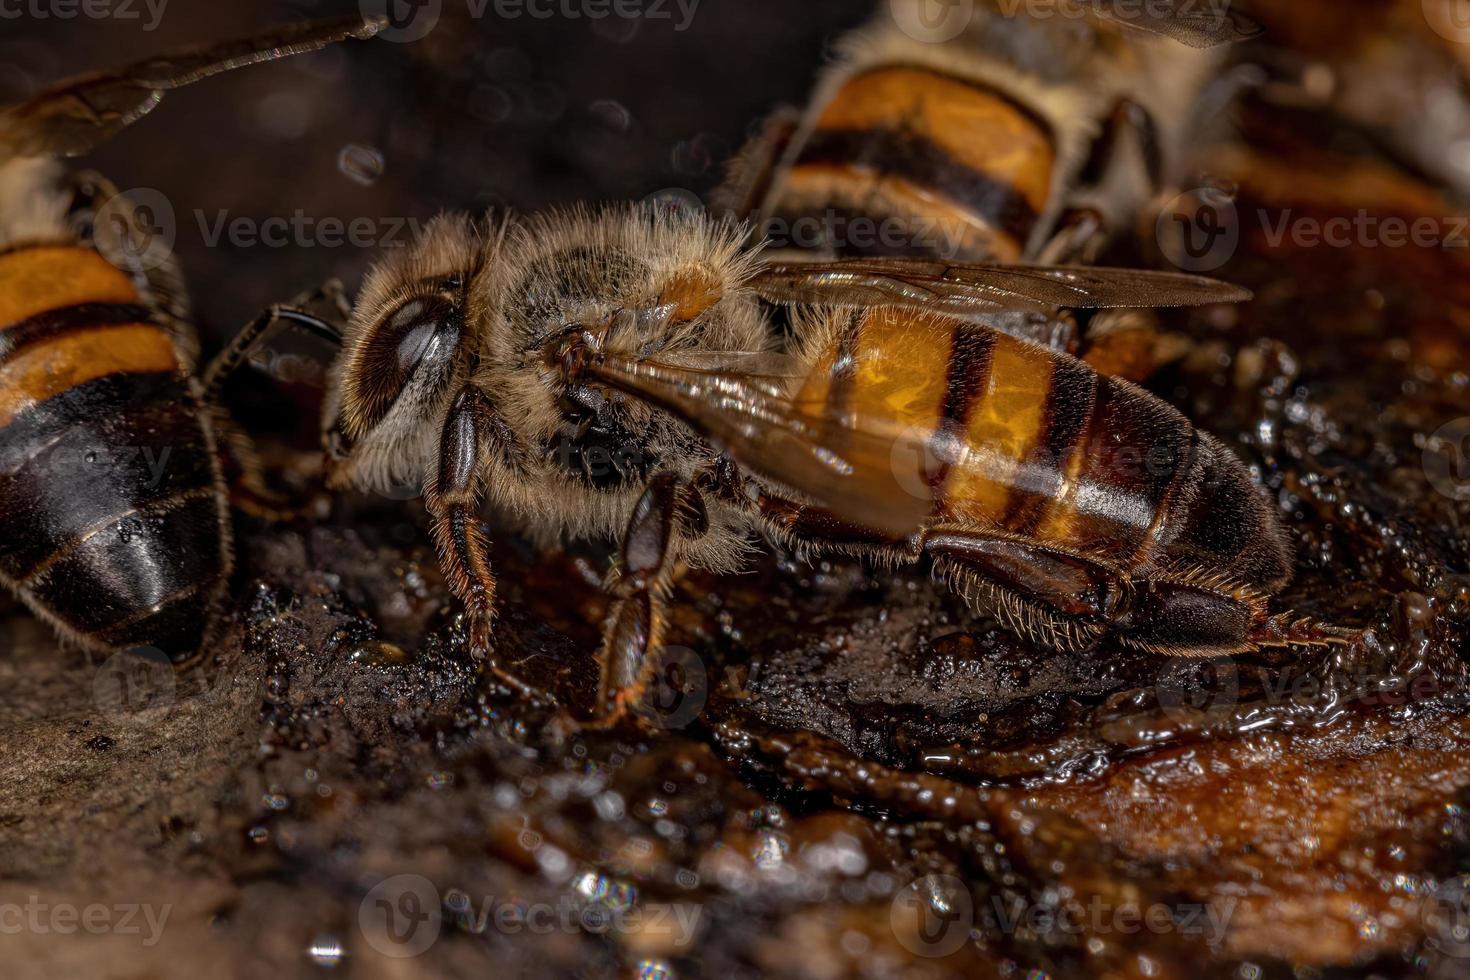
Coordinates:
x,y
1023,133
114,517
1395,74
1027,136
618,372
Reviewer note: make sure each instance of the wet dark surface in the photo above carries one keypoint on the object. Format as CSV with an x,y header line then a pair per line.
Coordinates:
x,y
837,748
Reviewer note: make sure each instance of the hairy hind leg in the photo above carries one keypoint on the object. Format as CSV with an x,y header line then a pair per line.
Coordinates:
x,y
1195,615
1052,596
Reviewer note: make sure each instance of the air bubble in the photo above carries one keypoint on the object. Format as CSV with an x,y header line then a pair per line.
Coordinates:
x,y
361,164
612,114
490,104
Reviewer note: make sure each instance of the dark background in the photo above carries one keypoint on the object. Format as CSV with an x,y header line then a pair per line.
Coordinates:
x,y
523,112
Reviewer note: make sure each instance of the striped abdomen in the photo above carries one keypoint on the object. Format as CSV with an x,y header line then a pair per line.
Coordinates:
x,y
112,525
1031,441
907,160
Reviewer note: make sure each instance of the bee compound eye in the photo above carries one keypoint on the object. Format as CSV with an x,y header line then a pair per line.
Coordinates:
x,y
424,330
420,328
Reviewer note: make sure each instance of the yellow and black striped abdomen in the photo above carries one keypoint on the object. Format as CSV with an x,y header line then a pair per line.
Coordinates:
x,y
1031,441
907,160
111,520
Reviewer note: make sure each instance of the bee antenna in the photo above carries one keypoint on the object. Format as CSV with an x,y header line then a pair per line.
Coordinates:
x,y
312,324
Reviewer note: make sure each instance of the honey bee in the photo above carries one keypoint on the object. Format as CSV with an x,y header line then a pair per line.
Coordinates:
x,y
115,527
1024,132
597,373
1029,132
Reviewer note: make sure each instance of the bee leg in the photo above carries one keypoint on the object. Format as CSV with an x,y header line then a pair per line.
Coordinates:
x,y
453,499
1191,616
1080,235
1058,599
1131,344
1127,150
670,513
323,312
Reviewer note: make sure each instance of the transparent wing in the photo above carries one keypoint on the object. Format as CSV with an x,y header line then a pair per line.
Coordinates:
x,y
967,290
75,116
867,470
1197,23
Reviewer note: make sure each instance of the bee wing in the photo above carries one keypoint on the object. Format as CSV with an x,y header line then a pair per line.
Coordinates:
x,y
966,290
74,116
867,470
1199,25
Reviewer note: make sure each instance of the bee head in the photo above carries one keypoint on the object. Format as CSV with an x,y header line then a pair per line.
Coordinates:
x,y
403,357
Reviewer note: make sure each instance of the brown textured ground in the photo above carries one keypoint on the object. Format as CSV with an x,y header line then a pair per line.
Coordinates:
x,y
856,775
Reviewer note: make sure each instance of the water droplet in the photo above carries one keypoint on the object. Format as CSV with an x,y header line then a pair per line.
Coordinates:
x,y
489,103
655,970
377,653
676,199
360,164
545,102
612,114
325,950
